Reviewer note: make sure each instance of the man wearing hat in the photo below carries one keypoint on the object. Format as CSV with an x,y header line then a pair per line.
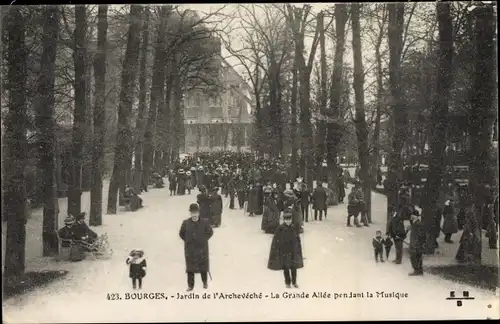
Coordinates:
x,y
172,182
286,250
195,233
319,201
216,207
82,230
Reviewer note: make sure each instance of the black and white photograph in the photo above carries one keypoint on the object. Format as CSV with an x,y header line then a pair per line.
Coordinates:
x,y
248,162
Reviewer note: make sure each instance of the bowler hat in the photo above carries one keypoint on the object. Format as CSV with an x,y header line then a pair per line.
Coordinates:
x,y
194,207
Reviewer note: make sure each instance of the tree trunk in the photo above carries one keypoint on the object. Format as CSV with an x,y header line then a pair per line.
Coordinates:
x,y
80,112
293,104
123,138
380,91
399,116
481,115
334,129
297,19
45,124
157,83
438,128
99,117
360,119
177,115
14,185
321,134
163,123
139,126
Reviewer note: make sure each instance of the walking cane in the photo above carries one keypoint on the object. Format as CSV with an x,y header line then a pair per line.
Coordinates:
x,y
210,275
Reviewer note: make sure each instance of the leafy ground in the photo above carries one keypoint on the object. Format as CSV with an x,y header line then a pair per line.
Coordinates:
x,y
484,276
29,281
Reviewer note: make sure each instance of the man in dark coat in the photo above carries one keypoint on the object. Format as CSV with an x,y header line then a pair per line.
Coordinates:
x,y
216,207
203,200
341,187
172,182
195,233
319,201
398,234
379,176
417,241
231,188
286,250
241,191
82,231
305,197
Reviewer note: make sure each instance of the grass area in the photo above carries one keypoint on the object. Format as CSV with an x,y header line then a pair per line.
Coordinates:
x,y
29,281
484,276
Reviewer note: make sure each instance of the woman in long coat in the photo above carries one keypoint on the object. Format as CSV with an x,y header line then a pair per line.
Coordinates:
x,y
252,201
286,250
271,216
471,236
181,186
216,207
293,203
203,200
450,222
260,199
189,182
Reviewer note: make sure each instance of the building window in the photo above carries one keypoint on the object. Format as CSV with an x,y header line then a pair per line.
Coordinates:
x,y
216,111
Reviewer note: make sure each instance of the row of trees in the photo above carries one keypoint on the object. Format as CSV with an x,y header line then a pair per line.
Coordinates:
x,y
117,76
420,89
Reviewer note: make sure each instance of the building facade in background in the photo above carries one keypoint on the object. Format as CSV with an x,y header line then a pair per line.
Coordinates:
x,y
221,119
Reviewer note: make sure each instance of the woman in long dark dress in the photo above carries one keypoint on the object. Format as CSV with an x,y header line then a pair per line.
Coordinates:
x,y
286,250
203,200
271,216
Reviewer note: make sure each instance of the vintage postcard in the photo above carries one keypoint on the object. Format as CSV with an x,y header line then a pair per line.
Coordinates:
x,y
249,162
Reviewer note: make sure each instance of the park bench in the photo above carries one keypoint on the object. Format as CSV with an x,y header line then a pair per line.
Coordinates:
x,y
127,202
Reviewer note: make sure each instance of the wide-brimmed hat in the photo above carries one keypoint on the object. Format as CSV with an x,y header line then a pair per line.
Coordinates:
x,y
188,173
69,220
79,216
287,213
181,171
139,252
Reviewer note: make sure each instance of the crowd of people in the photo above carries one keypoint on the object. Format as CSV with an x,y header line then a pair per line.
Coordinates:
x,y
264,187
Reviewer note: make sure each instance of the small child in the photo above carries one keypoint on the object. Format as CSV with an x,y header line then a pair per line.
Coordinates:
x,y
387,242
138,266
378,246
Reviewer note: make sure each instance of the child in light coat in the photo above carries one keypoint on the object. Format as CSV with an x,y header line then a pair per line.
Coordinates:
x,y
137,267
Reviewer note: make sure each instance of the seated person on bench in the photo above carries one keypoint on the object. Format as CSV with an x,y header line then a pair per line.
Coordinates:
x,y
157,180
82,230
132,198
67,233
